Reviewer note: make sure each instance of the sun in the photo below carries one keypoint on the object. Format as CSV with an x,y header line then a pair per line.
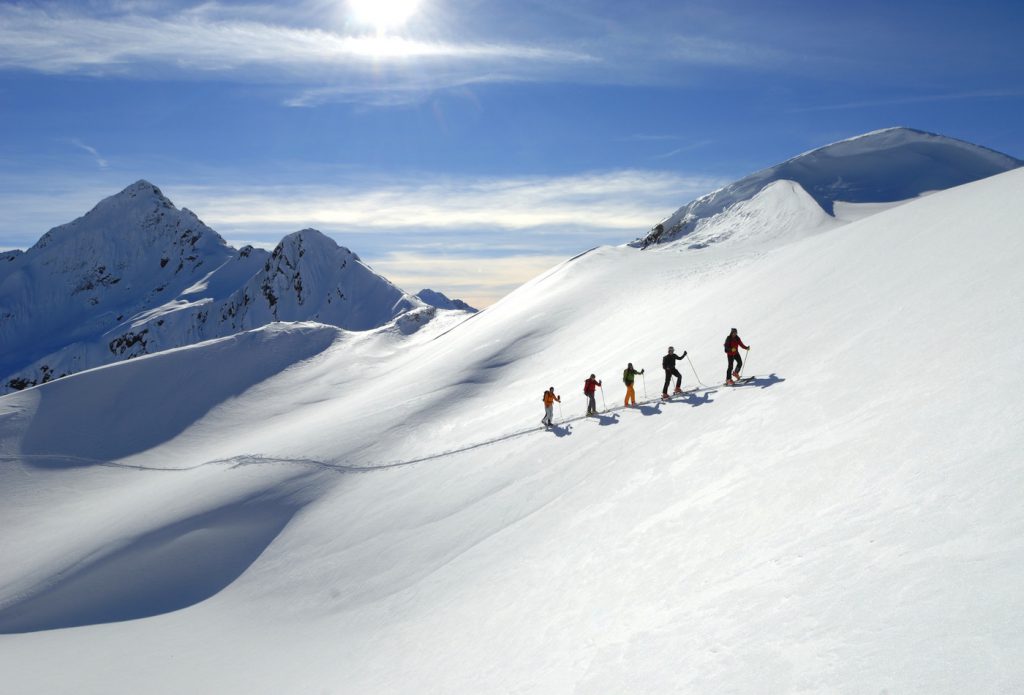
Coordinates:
x,y
382,14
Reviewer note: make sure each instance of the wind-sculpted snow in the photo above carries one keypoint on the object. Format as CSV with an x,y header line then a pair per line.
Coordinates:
x,y
883,166
848,521
135,276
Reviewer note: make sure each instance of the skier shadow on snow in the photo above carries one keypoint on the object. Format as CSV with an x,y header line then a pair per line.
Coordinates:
x,y
561,430
762,381
607,419
695,400
646,409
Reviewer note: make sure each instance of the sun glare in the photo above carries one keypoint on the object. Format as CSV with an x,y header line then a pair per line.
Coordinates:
x,y
382,14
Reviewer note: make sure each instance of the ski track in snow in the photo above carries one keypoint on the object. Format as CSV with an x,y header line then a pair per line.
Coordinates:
x,y
257,459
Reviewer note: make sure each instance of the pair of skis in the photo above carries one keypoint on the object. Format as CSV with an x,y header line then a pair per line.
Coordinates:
x,y
741,380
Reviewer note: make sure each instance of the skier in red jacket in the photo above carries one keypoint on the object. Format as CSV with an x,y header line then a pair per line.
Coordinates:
x,y
589,387
733,343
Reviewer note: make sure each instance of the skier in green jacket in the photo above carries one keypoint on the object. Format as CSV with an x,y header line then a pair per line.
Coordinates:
x,y
628,376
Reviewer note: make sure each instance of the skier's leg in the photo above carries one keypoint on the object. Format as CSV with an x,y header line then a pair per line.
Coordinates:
x,y
679,380
739,365
728,367
668,380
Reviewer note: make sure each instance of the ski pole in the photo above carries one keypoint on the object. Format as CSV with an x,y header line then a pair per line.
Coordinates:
x,y
560,416
603,404
645,385
746,355
695,371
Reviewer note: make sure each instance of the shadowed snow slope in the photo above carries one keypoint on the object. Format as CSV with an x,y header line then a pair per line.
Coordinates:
x,y
847,522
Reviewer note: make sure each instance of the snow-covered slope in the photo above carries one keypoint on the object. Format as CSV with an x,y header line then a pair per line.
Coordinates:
x,y
136,275
379,512
879,167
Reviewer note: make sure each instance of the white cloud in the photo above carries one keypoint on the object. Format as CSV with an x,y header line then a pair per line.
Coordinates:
x,y
322,60
618,200
246,44
100,161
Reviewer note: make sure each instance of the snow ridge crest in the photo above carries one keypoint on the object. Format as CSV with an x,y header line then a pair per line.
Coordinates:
x,y
882,166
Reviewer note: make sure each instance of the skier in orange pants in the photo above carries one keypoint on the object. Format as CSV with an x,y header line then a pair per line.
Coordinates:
x,y
628,376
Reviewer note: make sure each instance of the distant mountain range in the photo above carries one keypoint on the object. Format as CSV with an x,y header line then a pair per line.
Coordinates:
x,y
136,275
878,167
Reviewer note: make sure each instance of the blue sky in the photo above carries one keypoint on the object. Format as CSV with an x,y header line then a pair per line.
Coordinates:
x,y
463,144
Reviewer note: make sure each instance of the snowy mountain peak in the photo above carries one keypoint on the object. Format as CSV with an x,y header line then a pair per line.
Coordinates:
x,y
138,215
901,136
442,301
309,275
142,188
136,275
887,165
296,245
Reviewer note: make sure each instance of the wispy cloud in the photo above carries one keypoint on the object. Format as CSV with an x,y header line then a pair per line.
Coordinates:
x,y
325,62
100,161
683,149
196,45
918,99
617,200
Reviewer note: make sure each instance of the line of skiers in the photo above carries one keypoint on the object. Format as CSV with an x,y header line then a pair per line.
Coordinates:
x,y
734,366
